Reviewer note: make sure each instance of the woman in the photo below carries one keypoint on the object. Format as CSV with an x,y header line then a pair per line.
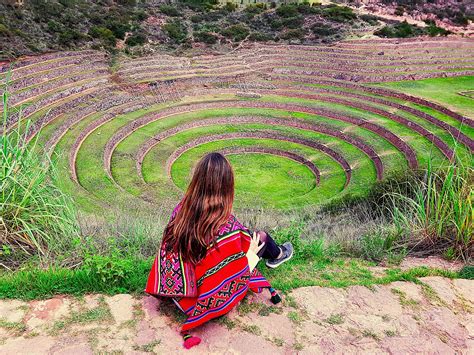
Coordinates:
x,y
207,259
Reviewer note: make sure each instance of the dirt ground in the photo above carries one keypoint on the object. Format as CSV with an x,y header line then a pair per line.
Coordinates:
x,y
434,316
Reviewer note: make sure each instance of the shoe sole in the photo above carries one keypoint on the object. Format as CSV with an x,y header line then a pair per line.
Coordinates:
x,y
273,266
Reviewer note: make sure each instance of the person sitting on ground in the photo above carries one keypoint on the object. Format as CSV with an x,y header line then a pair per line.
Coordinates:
x,y
206,261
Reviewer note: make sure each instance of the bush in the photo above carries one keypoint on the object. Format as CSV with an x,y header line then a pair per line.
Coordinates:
x,y
54,26
322,29
35,216
205,37
169,10
293,34
339,13
400,30
287,11
236,32
136,39
434,30
307,9
399,11
370,19
176,31
104,34
69,36
460,19
230,7
4,32
293,22
196,18
260,37
118,28
254,9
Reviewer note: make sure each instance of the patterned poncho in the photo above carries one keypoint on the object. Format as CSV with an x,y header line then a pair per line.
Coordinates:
x,y
216,284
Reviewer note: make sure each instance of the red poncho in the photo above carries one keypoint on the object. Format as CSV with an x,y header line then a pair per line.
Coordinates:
x,y
222,277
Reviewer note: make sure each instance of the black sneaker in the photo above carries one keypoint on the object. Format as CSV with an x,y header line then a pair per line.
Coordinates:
x,y
287,249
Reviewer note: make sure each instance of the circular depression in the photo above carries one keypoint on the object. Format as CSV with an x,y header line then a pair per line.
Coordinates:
x,y
262,176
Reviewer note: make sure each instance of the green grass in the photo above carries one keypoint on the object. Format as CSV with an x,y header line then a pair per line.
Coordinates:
x,y
273,190
443,91
311,266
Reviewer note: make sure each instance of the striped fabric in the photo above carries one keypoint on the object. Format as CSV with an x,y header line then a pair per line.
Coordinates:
x,y
223,277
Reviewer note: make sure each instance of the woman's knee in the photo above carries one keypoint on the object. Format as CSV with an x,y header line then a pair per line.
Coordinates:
x,y
262,235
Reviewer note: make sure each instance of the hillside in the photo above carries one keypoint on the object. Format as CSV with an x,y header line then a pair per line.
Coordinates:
x,y
186,26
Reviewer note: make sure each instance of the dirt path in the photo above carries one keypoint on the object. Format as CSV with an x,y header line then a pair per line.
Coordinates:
x,y
435,316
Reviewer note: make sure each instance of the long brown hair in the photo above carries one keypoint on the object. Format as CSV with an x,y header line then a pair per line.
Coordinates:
x,y
206,206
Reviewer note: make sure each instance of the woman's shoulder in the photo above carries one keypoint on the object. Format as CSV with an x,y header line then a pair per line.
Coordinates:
x,y
232,225
176,210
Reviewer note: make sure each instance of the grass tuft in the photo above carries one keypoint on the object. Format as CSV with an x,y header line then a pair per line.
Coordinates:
x,y
36,218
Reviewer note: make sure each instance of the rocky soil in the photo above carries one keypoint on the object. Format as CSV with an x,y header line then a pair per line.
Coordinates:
x,y
434,316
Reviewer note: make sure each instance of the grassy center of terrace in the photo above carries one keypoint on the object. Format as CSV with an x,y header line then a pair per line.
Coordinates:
x,y
260,177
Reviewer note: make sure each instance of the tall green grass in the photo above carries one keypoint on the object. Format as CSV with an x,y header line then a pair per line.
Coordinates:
x,y
438,214
36,218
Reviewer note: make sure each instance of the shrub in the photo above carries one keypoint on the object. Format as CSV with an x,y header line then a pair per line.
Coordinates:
x,y
399,11
322,29
370,19
35,216
118,28
104,34
307,9
68,36
460,19
136,39
4,32
293,22
260,37
140,15
434,30
254,9
176,31
230,7
196,18
236,32
339,13
54,26
400,30
287,10
293,34
169,10
205,37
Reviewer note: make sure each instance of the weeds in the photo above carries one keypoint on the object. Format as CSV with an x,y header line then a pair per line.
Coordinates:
x,y
335,319
36,218
15,327
439,214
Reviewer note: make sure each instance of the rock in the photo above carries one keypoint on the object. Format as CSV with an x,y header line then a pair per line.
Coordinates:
x,y
327,301
411,290
121,307
13,310
30,346
443,288
46,312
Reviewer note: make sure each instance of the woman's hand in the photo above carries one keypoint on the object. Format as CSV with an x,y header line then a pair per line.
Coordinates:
x,y
254,246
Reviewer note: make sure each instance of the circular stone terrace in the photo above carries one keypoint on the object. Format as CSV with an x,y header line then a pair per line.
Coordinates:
x,y
301,125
